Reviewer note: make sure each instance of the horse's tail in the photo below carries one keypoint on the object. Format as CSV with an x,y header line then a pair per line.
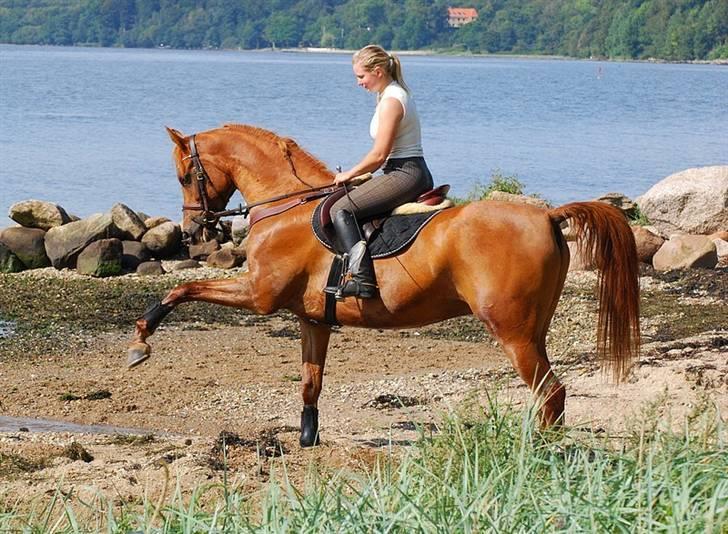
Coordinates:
x,y
605,239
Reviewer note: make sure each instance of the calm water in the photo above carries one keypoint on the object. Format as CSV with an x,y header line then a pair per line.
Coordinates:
x,y
85,127
31,424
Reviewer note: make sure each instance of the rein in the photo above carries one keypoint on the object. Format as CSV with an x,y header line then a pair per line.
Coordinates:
x,y
314,192
210,218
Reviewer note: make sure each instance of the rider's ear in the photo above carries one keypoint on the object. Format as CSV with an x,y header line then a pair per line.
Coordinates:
x,y
178,138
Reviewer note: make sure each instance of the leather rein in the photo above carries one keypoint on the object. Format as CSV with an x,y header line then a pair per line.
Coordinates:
x,y
210,218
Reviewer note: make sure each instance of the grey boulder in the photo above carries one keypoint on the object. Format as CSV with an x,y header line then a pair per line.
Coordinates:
x,y
621,202
101,258
129,224
133,253
64,243
694,201
239,228
201,251
149,268
225,258
187,264
38,214
685,252
163,241
647,243
151,222
9,262
28,244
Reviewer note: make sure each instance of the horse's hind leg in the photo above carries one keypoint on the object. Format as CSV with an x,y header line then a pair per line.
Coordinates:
x,y
520,326
532,365
314,345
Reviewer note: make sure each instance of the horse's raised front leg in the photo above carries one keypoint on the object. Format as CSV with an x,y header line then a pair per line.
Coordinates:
x,y
314,345
235,292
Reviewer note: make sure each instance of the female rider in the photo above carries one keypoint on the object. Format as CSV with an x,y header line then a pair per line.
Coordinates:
x,y
395,128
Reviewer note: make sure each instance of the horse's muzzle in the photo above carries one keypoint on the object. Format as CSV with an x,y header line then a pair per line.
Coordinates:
x,y
193,233
190,230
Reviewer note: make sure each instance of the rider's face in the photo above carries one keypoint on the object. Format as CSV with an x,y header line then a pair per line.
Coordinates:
x,y
371,80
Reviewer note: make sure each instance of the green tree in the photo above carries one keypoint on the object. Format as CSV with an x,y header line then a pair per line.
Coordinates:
x,y
416,31
282,29
250,34
671,29
321,32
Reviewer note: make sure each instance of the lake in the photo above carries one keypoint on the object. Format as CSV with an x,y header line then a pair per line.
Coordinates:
x,y
84,127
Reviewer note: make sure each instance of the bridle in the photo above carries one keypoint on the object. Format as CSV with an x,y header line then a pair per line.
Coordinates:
x,y
201,178
209,218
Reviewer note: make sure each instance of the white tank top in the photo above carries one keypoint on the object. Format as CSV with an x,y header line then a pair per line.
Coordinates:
x,y
408,138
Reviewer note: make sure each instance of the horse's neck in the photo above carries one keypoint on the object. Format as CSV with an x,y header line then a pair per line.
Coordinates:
x,y
276,172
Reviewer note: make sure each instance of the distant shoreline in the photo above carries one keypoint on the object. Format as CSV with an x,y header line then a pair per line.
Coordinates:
x,y
460,54
431,53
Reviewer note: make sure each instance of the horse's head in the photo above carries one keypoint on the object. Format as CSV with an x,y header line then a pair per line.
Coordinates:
x,y
206,186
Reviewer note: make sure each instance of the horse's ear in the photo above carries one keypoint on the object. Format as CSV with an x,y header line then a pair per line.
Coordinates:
x,y
178,138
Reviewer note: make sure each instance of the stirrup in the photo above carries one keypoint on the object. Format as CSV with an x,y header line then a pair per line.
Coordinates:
x,y
356,288
334,290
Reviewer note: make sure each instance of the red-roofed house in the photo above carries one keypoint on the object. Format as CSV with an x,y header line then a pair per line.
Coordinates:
x,y
457,16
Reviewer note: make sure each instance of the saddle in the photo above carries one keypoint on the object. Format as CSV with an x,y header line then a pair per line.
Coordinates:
x,y
386,234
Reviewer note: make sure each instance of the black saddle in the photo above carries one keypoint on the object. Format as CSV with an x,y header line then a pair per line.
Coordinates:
x,y
386,235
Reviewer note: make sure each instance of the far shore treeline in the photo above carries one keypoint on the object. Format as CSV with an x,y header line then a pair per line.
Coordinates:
x,y
675,30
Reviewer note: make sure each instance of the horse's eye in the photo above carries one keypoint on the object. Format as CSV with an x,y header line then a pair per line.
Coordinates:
x,y
186,179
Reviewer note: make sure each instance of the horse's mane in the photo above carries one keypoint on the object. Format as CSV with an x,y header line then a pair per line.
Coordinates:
x,y
286,143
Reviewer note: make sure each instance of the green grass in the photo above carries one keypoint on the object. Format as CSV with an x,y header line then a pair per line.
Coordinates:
x,y
639,218
498,182
491,473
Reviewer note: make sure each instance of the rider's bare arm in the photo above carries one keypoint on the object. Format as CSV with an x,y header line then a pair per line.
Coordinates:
x,y
391,113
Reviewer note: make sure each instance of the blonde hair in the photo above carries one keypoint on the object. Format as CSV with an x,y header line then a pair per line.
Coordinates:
x,y
372,56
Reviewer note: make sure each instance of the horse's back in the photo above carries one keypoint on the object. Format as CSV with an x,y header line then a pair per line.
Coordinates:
x,y
476,248
500,231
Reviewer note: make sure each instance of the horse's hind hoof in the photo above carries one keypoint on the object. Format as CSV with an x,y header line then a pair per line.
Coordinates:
x,y
138,352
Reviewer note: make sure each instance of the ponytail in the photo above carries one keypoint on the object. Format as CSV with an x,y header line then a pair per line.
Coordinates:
x,y
396,71
373,56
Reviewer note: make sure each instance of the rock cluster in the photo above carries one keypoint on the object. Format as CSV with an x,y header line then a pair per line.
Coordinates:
x,y
694,201
687,214
104,244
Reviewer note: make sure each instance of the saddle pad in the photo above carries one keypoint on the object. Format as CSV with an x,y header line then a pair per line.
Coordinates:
x,y
394,236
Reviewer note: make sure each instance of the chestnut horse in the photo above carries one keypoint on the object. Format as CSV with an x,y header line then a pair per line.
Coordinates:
x,y
503,262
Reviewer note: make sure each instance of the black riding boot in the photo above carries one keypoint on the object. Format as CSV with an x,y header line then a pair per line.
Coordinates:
x,y
361,283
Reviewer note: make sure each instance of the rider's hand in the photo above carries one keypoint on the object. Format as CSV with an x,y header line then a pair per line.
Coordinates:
x,y
342,177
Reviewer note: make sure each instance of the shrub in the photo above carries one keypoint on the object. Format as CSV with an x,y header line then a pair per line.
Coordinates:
x,y
498,182
639,218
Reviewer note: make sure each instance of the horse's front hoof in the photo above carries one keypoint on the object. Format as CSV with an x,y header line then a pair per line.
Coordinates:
x,y
138,352
309,427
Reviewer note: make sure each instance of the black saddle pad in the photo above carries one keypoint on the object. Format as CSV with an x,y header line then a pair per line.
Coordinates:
x,y
393,237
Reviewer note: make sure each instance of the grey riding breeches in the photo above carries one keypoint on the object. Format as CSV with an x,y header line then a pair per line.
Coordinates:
x,y
404,179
